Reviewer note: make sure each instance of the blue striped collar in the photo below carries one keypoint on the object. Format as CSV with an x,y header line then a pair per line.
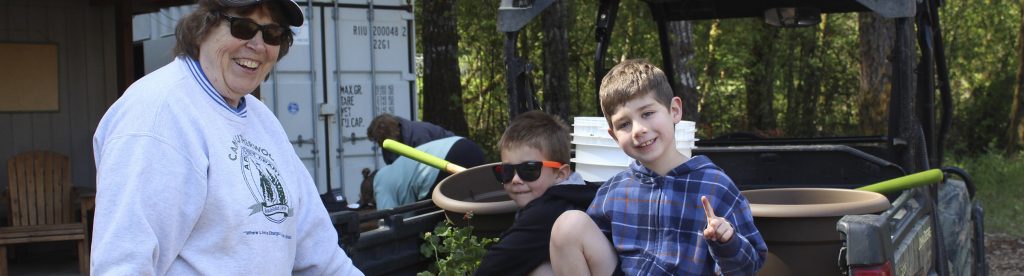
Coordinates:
x,y
200,77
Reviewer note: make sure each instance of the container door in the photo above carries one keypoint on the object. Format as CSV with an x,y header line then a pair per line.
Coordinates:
x,y
155,31
295,93
371,67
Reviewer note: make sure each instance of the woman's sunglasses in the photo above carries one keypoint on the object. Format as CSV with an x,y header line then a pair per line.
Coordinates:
x,y
245,29
528,171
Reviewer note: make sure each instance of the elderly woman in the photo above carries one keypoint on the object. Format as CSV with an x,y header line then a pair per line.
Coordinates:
x,y
197,177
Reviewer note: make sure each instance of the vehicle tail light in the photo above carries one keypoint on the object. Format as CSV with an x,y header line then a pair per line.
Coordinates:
x,y
877,270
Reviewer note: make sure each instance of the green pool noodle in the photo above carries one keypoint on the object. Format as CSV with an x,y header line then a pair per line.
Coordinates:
x,y
905,182
415,154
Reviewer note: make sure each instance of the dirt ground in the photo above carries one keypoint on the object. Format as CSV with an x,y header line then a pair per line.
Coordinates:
x,y
1005,254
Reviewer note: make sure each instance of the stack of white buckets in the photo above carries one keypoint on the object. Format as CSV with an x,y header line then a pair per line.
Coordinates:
x,y
598,157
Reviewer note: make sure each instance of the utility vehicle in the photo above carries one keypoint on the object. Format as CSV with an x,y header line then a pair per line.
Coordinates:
x,y
934,229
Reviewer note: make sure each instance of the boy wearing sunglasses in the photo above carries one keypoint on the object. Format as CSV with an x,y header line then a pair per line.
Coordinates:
x,y
535,173
668,214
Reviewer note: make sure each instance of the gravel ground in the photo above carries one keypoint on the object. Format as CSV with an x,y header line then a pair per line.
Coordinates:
x,y
1005,254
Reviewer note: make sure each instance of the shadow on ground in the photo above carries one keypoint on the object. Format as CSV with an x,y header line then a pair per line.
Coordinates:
x,y
49,258
1004,254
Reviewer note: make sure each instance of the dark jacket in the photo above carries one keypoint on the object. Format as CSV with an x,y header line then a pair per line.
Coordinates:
x,y
524,246
416,133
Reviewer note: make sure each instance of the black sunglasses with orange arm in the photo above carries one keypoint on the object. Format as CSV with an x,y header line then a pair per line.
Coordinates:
x,y
528,171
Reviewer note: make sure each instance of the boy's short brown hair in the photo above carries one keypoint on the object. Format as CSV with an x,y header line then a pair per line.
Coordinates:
x,y
536,129
630,80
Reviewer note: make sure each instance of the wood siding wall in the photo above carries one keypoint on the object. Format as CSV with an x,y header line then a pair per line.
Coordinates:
x,y
87,65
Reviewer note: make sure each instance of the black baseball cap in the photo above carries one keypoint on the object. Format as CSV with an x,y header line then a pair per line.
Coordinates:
x,y
292,10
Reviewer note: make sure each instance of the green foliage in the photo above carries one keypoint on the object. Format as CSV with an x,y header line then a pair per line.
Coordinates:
x,y
828,50
456,250
481,60
981,119
981,36
1000,184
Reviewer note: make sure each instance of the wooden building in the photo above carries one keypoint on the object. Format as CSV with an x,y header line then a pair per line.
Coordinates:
x,y
94,65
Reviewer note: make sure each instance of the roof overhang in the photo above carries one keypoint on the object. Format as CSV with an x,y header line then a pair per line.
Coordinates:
x,y
143,6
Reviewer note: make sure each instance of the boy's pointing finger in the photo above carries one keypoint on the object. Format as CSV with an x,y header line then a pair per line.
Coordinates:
x,y
708,211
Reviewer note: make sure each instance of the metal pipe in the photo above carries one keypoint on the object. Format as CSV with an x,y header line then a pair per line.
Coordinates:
x,y
511,73
373,67
312,94
605,23
946,98
925,105
666,54
413,98
901,115
337,85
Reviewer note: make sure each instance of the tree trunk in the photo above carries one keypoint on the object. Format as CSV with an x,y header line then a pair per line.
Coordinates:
x,y
1015,131
803,78
877,35
792,78
681,41
442,90
760,82
903,123
709,81
556,60
815,47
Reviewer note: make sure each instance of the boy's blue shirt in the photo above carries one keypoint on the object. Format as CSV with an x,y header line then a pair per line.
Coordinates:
x,y
656,223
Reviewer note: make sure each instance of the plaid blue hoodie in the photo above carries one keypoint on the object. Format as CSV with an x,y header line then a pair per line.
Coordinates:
x,y
656,222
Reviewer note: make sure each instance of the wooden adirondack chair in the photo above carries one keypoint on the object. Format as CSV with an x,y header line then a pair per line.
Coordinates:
x,y
40,194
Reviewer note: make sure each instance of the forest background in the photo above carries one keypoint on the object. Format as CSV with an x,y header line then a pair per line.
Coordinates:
x,y
742,76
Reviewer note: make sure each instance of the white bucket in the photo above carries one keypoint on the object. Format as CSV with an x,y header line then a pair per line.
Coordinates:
x,y
686,125
598,127
598,156
613,154
599,162
589,130
597,172
601,154
601,121
579,138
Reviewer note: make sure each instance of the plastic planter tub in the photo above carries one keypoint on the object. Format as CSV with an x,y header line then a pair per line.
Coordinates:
x,y
475,190
799,226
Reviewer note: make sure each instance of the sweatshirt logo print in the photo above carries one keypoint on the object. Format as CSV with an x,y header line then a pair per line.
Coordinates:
x,y
263,180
